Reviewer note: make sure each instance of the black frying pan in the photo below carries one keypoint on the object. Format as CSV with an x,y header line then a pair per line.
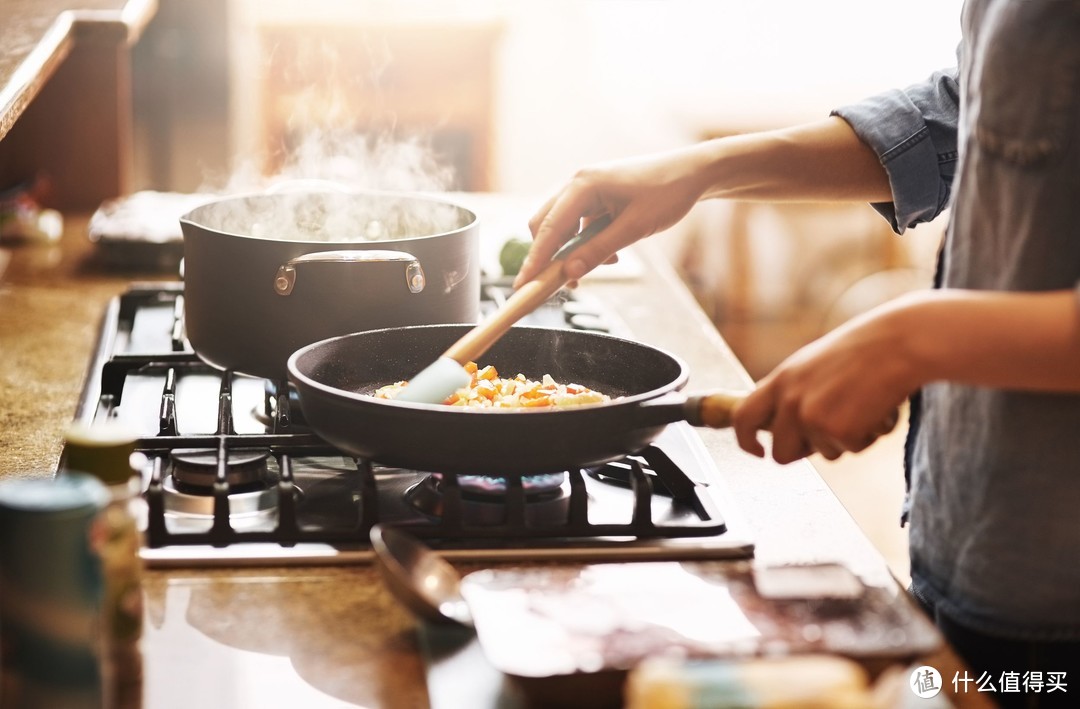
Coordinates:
x,y
334,379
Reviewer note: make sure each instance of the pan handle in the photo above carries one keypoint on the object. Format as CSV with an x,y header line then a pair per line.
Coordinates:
x,y
285,279
715,409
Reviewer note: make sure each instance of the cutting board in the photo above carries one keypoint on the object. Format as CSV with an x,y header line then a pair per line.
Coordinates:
x,y
567,629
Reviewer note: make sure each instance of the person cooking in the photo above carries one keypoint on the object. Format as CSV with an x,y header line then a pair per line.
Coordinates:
x,y
990,358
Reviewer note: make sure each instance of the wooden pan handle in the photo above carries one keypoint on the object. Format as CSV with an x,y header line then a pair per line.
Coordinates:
x,y
522,302
715,409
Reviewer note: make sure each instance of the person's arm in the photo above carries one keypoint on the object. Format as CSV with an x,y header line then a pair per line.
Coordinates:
x,y
1026,341
896,150
821,161
913,131
824,160
841,392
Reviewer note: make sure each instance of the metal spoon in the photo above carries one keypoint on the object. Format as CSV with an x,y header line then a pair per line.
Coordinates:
x,y
419,578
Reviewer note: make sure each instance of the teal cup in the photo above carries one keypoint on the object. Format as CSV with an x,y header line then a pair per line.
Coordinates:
x,y
50,590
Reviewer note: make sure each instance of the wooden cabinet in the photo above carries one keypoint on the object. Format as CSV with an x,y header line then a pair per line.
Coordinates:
x,y
413,81
65,98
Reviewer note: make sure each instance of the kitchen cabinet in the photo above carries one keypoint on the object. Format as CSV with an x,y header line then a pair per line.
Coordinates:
x,y
385,79
65,97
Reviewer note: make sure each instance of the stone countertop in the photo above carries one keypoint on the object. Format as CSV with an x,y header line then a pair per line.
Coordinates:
x,y
332,636
38,34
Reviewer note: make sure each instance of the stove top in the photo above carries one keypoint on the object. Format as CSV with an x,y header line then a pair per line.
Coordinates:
x,y
233,477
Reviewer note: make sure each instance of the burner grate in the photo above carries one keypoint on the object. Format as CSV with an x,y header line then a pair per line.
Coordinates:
x,y
452,524
139,371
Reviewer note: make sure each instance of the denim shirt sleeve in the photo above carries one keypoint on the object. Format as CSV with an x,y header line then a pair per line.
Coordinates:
x,y
914,133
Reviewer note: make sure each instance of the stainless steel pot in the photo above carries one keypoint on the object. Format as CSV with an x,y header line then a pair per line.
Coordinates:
x,y
267,274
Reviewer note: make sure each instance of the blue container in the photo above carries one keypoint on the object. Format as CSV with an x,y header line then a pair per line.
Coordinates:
x,y
50,590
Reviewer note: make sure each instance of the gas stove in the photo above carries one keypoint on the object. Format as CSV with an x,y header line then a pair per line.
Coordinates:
x,y
233,477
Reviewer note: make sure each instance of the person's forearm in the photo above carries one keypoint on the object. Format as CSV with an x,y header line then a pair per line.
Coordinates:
x,y
821,161
1027,341
824,161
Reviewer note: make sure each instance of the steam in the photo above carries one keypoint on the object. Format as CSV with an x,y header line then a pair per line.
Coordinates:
x,y
331,216
338,186
344,160
323,177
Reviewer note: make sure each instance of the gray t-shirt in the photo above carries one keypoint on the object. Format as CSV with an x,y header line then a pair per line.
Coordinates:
x,y
994,496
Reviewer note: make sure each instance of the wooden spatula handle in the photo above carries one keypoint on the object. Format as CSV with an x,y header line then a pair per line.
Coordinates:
x,y
522,302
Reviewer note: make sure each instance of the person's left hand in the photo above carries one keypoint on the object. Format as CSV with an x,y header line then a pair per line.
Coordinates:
x,y
839,393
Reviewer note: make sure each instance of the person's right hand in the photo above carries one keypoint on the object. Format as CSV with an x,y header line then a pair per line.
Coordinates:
x,y
643,196
841,392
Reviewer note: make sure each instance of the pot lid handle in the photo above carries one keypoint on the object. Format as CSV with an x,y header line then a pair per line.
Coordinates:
x,y
285,279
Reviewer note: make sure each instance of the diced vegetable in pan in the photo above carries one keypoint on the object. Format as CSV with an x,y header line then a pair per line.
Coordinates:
x,y
487,389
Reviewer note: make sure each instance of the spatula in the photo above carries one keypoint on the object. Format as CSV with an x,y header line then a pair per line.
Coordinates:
x,y
447,374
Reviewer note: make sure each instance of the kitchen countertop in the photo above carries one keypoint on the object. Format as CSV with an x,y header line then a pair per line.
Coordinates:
x,y
323,636
38,35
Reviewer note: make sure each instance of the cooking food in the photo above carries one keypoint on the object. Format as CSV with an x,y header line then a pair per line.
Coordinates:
x,y
335,379
487,389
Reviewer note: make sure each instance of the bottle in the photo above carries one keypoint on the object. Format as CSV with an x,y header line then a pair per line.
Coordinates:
x,y
105,451
811,681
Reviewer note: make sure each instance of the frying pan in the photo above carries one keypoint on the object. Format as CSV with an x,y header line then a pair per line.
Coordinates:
x,y
335,377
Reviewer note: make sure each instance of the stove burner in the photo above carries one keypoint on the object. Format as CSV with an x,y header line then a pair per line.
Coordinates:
x,y
195,469
485,499
250,505
492,486
287,495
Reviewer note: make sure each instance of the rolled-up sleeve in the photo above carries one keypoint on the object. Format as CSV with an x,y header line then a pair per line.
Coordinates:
x,y
913,131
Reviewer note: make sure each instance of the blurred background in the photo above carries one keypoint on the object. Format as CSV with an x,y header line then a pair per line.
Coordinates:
x,y
513,97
